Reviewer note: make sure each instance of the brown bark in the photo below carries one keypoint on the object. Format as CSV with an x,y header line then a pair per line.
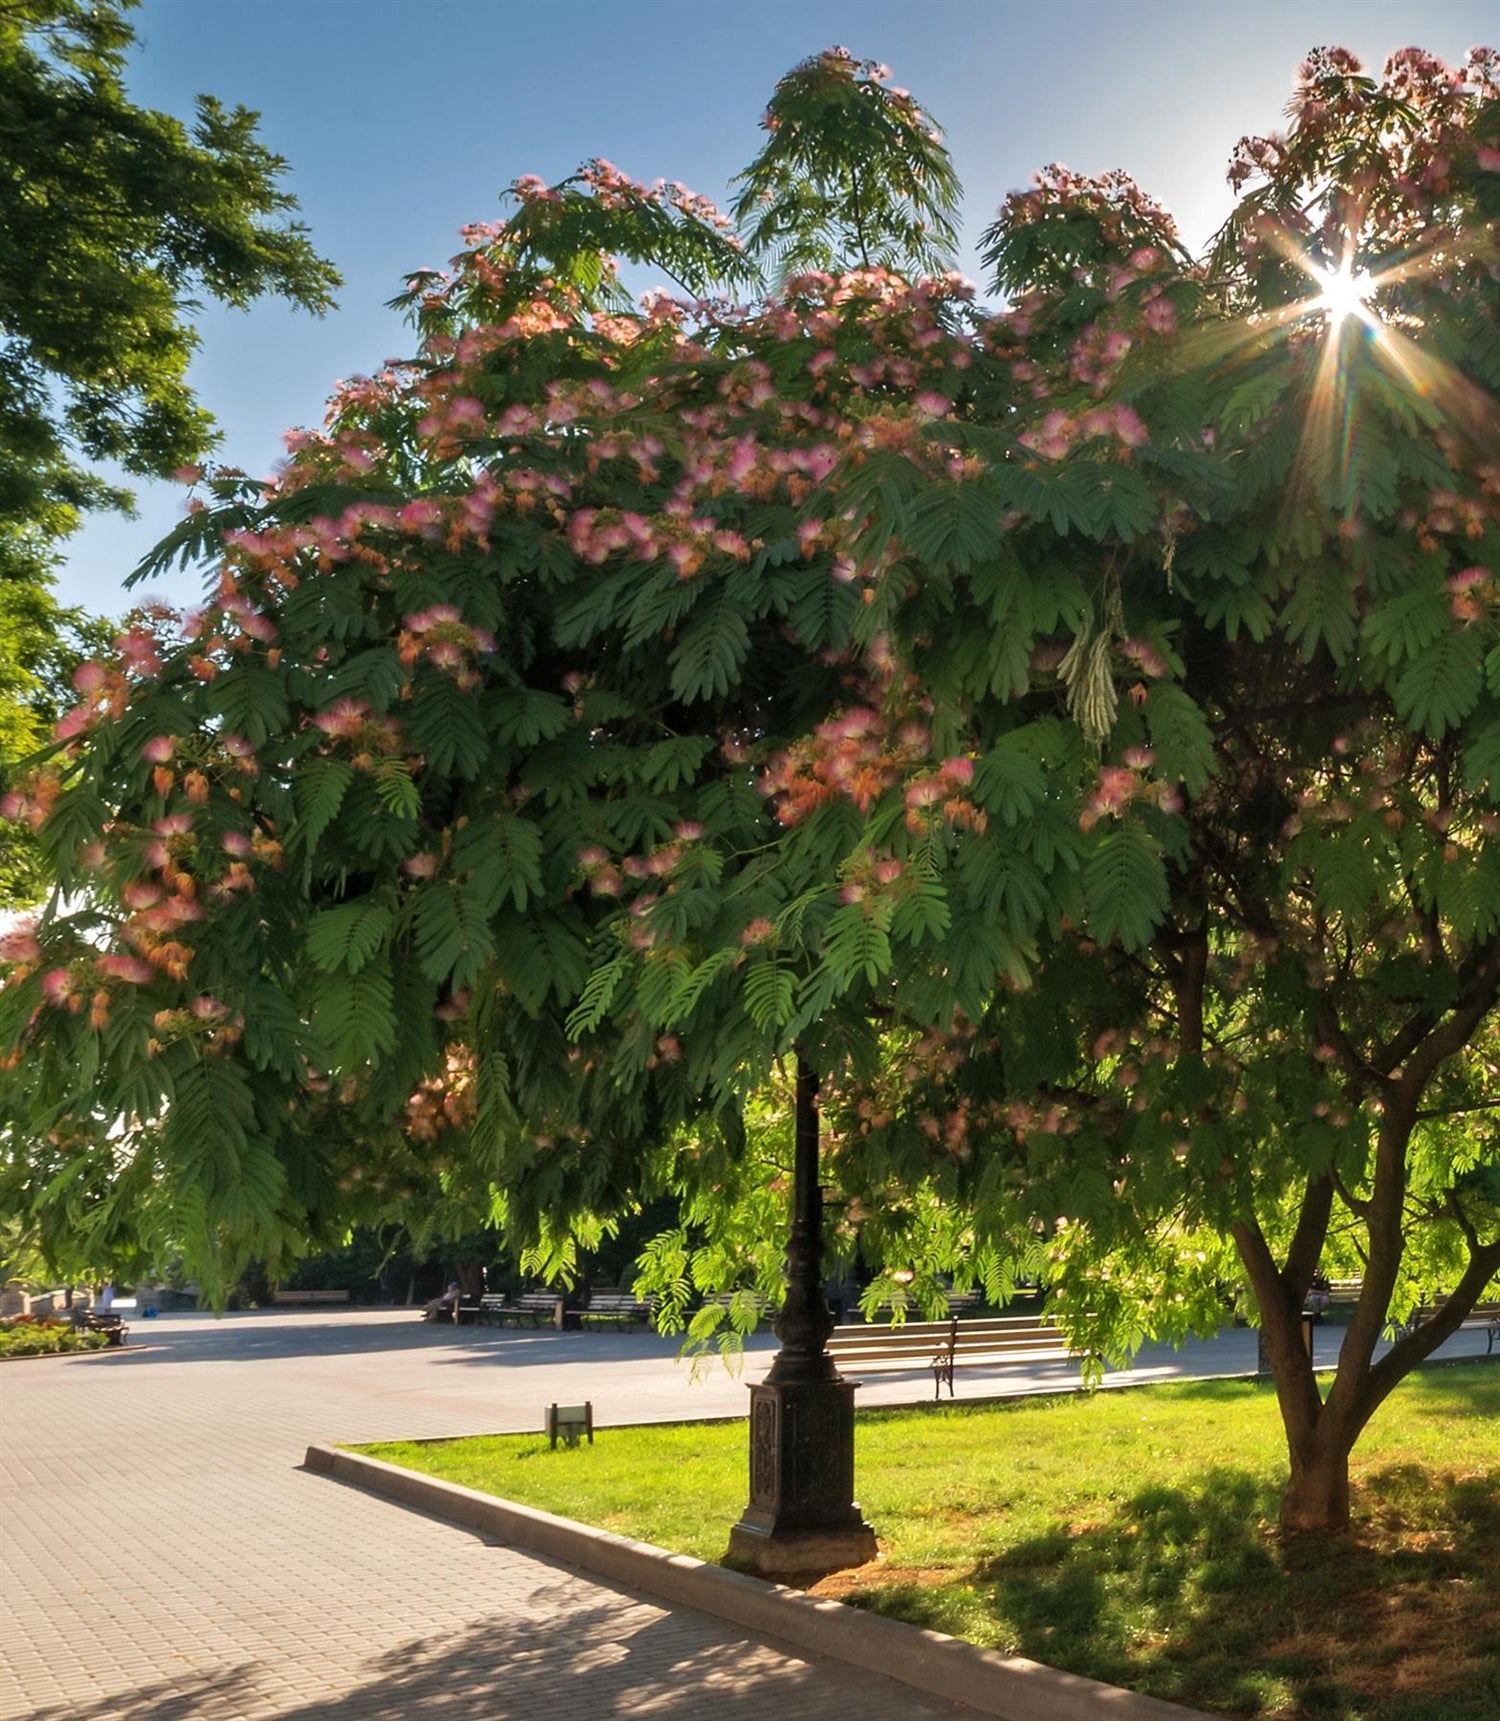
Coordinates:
x,y
1321,1432
1316,1498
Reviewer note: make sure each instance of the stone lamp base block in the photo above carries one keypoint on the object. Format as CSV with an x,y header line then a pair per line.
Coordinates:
x,y
802,1519
800,1553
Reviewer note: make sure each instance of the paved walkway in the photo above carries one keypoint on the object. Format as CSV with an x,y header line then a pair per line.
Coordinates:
x,y
162,1555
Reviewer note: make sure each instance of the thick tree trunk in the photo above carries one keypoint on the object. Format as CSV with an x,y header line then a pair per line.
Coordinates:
x,y
1317,1496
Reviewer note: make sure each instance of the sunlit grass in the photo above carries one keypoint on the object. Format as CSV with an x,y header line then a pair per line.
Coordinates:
x,y
1130,1536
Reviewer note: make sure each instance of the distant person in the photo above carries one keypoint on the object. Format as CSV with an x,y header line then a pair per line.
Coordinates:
x,y
445,1307
106,1299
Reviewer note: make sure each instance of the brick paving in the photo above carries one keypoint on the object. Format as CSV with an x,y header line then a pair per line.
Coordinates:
x,y
163,1556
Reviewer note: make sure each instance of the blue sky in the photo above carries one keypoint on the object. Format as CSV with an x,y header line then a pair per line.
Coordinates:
x,y
404,119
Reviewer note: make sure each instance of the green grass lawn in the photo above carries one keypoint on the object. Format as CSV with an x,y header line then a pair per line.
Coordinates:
x,y
1130,1536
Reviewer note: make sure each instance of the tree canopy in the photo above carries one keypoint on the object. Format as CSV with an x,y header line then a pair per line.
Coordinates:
x,y
116,217
116,221
1072,729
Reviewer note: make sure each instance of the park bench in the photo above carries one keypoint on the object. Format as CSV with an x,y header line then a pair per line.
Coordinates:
x,y
530,1309
1483,1317
305,1299
960,1303
102,1321
616,1309
943,1345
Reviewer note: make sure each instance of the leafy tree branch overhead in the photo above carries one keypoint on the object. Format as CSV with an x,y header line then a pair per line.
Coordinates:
x,y
115,222
1072,729
116,218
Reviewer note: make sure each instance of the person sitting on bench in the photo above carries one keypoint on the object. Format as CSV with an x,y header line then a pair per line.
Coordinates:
x,y
445,1307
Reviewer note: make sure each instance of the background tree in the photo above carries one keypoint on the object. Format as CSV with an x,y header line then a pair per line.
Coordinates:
x,y
41,647
116,216
115,221
1045,724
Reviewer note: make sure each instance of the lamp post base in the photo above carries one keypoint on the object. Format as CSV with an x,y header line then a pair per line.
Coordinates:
x,y
802,1519
799,1553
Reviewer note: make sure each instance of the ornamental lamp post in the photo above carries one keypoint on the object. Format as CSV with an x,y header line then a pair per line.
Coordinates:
x,y
802,1517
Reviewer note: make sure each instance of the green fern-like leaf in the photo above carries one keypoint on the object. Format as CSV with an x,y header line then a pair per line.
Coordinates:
x,y
1180,736
1009,783
1120,503
593,1005
858,942
823,611
346,937
318,792
522,716
1237,608
1321,609
497,1126
353,1016
453,937
1345,864
668,764
250,700
922,914
770,992
447,726
1405,626
954,524
691,986
708,657
1125,887
397,792
1441,685
1482,761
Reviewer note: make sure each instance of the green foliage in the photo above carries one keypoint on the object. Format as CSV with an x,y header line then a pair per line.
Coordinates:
x,y
125,215
46,1338
41,645
1071,732
121,220
852,175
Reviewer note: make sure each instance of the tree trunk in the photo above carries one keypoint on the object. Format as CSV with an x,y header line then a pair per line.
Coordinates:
x,y
1317,1496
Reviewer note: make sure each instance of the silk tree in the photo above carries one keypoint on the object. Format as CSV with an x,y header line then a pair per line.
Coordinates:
x,y
615,701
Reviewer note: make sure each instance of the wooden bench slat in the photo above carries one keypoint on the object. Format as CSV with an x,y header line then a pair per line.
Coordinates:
x,y
535,1308
942,1345
616,1308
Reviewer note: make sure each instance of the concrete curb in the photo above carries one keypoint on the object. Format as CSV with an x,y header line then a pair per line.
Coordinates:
x,y
1006,1687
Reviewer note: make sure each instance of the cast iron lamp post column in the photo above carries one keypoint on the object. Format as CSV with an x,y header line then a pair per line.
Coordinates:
x,y
802,1516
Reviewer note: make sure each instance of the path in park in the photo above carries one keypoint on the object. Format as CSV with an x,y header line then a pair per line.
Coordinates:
x,y
163,1556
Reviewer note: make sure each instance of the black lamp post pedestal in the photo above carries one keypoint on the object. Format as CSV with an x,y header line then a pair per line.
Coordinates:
x,y
802,1517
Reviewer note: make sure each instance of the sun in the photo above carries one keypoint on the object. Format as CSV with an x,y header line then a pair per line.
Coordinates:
x,y
1346,292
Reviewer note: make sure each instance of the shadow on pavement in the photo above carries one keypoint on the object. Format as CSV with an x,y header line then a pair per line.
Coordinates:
x,y
591,1661
256,1339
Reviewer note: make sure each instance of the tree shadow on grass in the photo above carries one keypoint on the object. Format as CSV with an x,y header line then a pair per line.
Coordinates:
x,y
1191,1594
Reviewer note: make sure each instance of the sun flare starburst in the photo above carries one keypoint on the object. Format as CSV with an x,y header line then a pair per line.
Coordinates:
x,y
1345,292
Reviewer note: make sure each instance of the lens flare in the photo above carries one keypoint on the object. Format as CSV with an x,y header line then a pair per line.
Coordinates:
x,y
1345,293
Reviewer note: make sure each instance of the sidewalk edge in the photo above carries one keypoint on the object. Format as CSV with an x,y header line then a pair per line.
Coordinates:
x,y
1006,1687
